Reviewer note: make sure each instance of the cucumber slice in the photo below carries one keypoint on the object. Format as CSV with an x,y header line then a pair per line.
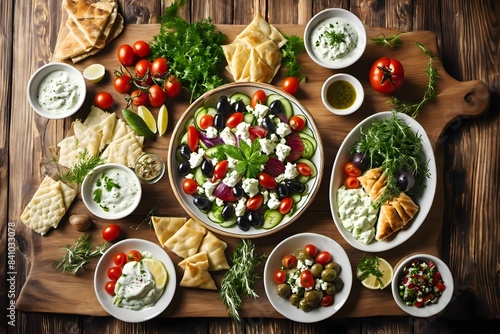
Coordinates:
x,y
248,118
184,138
214,217
307,130
296,198
271,219
303,179
240,96
310,138
198,114
189,123
310,164
287,106
210,152
199,177
229,223
308,149
272,97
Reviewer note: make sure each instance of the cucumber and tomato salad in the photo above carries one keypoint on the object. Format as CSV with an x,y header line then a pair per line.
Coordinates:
x,y
256,186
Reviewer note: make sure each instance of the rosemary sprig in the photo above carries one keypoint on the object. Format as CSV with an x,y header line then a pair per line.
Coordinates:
x,y
391,42
83,166
79,254
238,281
369,266
290,52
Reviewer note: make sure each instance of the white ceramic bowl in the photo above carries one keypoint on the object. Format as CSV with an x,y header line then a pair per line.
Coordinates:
x,y
360,94
176,180
424,199
38,77
430,309
92,178
101,278
343,16
290,246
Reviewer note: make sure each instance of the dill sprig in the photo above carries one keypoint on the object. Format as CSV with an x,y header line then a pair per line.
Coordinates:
x,y
290,51
369,266
83,166
391,42
79,254
238,281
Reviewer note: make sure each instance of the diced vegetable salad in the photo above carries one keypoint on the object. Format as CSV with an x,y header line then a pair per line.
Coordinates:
x,y
247,161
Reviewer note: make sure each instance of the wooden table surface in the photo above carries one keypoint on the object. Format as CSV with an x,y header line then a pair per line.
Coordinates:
x,y
468,40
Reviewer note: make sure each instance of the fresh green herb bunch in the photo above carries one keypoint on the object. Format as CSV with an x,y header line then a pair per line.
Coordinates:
x,y
85,163
391,42
392,144
250,158
369,266
290,51
193,51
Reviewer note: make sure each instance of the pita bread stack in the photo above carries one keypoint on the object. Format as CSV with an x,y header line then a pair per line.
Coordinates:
x,y
90,26
255,56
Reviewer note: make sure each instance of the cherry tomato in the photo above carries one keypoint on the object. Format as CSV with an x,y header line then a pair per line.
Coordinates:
x,y
123,84
120,259
114,273
172,87
352,182
206,121
189,186
256,131
110,288
142,68
141,49
291,85
111,232
192,138
159,67
286,205
234,120
386,75
220,169
351,170
254,203
156,96
280,276
126,55
307,279
103,100
258,97
323,258
304,169
267,181
134,255
297,122
326,300
440,286
289,261
311,250
138,97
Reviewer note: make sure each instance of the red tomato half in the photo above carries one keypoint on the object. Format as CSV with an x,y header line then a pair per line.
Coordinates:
x,y
352,182
324,257
114,273
351,170
141,48
220,169
256,132
267,181
110,288
103,100
289,261
120,259
254,203
192,138
304,169
111,232
234,120
126,55
206,121
297,122
134,255
386,75
258,97
286,205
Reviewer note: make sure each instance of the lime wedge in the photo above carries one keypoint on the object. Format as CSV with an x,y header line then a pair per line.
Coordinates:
x,y
147,116
162,120
94,73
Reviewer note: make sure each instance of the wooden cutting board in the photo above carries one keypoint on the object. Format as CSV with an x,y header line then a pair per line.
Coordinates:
x,y
47,290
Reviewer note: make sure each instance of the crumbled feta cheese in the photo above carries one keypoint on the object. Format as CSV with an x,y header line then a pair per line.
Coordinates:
x,y
251,187
274,138
227,136
308,262
189,176
260,110
211,132
231,178
267,146
265,195
200,190
282,151
280,178
215,161
283,129
291,171
240,208
242,130
219,202
209,187
196,158
273,202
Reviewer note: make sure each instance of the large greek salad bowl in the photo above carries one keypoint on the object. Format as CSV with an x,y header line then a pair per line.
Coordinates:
x,y
233,173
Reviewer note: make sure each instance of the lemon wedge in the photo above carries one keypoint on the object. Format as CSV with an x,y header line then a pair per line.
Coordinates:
x,y
94,73
162,120
371,282
157,270
147,116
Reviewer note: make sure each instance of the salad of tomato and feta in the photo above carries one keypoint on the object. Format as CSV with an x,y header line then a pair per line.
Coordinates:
x,y
247,160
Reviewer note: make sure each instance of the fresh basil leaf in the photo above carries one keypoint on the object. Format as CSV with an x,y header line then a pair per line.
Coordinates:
x,y
260,159
241,167
245,148
234,152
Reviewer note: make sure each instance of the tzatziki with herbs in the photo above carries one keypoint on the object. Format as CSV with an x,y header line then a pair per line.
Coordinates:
x,y
114,190
333,38
58,92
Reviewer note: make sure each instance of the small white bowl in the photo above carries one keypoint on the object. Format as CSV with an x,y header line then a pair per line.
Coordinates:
x,y
101,278
358,88
290,246
430,309
38,77
343,16
132,181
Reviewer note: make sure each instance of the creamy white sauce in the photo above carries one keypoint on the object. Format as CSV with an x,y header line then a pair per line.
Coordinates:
x,y
58,92
328,49
114,190
136,287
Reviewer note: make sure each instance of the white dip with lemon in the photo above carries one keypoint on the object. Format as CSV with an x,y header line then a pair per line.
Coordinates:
x,y
333,38
357,213
58,92
114,190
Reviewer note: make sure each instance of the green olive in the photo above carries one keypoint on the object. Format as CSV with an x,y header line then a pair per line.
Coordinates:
x,y
330,289
304,306
334,265
313,297
339,283
302,255
316,270
283,290
294,299
328,275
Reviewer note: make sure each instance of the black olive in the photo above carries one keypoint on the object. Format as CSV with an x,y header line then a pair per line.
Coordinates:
x,y
404,180
238,106
185,151
223,105
227,211
207,168
361,161
269,124
243,223
282,191
219,121
238,190
295,186
184,168
202,203
276,107
255,218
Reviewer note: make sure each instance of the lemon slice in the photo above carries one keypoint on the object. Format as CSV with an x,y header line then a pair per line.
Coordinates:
x,y
147,116
162,120
371,281
157,270
94,73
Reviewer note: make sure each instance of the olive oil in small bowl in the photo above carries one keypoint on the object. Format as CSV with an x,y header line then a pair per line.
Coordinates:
x,y
342,94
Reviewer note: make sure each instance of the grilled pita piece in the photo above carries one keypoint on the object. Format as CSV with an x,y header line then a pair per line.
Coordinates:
x,y
394,215
369,178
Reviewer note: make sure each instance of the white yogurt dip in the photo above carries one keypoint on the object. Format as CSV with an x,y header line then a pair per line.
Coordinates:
x,y
114,190
333,38
58,92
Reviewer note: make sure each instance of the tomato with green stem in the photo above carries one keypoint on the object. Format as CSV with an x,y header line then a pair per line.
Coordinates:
x,y
138,98
123,84
156,96
386,75
172,87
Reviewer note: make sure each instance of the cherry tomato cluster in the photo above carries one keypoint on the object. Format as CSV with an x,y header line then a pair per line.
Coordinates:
x,y
354,168
115,272
150,82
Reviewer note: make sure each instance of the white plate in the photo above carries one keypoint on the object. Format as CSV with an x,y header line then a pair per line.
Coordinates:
x,y
101,277
424,199
210,99
290,246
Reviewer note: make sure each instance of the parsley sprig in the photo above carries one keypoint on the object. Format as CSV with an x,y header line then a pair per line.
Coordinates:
x,y
249,157
392,42
369,266
290,51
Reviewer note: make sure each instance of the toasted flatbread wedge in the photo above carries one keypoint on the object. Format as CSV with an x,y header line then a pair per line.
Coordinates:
x,y
394,215
369,178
